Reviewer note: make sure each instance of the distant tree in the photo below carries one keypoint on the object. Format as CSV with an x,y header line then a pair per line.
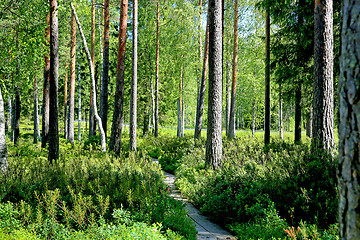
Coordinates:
x,y
54,74
213,157
3,149
349,138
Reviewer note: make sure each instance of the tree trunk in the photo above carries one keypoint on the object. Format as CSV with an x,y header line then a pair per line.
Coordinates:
x,y
105,71
253,119
349,108
11,126
3,149
46,90
201,99
17,116
281,131
71,130
91,112
10,113
36,112
309,123
98,119
13,121
156,132
213,157
79,98
267,79
133,100
179,117
231,132
180,106
298,113
66,130
323,101
54,67
118,116
228,96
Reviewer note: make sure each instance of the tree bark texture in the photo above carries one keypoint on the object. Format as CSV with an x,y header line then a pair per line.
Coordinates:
x,y
54,68
323,101
17,116
349,108
156,132
3,149
66,129
231,132
267,79
79,97
105,71
36,112
201,99
118,116
298,113
98,119
213,157
91,113
46,89
71,130
133,99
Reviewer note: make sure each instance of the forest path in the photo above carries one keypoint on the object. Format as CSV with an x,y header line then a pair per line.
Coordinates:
x,y
206,229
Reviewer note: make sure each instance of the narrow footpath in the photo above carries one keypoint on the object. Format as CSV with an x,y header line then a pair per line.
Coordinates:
x,y
206,229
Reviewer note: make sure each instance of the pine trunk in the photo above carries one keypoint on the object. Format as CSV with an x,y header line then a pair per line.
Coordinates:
x,y
201,99
3,149
54,67
267,79
253,119
298,113
228,96
231,132
105,71
156,132
71,130
213,157
66,129
309,123
323,101
349,108
91,112
17,116
79,98
118,116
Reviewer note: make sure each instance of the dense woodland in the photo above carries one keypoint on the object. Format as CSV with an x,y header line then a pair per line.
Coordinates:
x,y
253,105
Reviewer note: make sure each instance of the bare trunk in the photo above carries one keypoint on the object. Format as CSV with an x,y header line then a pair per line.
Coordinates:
x,y
3,149
201,99
179,117
213,157
10,114
349,138
46,90
66,130
36,112
180,106
71,133
54,68
281,132
231,132
156,132
91,112
105,71
298,114
309,123
228,96
323,101
79,98
267,79
253,119
98,119
118,116
17,116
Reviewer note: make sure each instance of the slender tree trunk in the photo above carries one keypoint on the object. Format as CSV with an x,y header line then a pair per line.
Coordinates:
x,y
179,117
3,149
46,90
281,132
54,67
156,132
98,119
201,99
231,132
152,105
349,138
253,119
17,116
267,79
133,100
79,98
13,113
118,116
91,113
36,112
71,133
105,71
10,113
323,101
309,124
180,106
228,96
11,118
213,157
298,113
65,104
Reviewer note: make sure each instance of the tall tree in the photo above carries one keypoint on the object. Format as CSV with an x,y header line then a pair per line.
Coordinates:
x,y
133,98
93,88
71,130
17,115
66,103
91,113
213,156
54,68
105,71
156,132
281,130
118,116
349,139
201,99
267,78
46,89
231,131
3,149
323,103
180,106
36,112
79,97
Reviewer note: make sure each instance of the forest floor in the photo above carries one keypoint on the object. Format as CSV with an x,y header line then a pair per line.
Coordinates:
x,y
205,228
